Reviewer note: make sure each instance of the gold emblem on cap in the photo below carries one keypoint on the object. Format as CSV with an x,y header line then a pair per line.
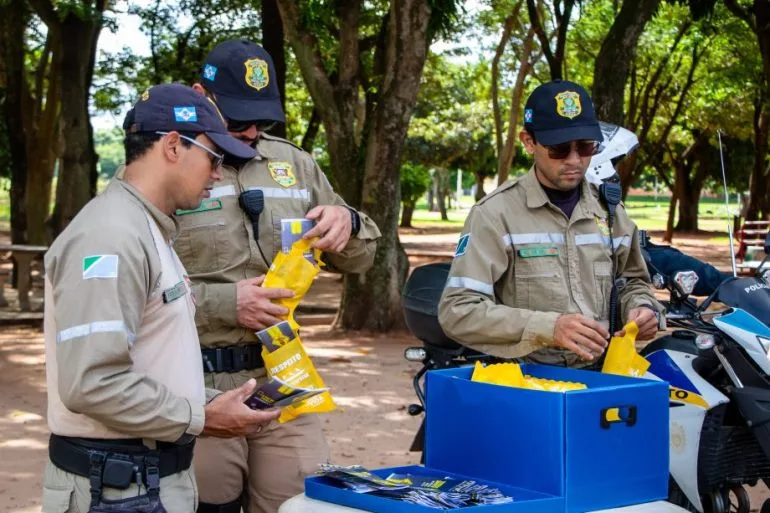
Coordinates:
x,y
256,74
568,104
145,95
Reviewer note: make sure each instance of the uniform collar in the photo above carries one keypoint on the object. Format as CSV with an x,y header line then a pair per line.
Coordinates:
x,y
588,204
169,226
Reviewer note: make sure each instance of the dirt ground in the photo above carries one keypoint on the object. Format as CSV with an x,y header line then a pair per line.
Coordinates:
x,y
369,378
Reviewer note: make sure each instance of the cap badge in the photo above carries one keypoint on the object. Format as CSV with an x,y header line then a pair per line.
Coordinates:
x,y
145,95
528,115
209,72
256,74
568,104
282,173
185,114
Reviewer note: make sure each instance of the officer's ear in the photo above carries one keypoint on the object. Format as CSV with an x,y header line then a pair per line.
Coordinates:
x,y
527,141
170,144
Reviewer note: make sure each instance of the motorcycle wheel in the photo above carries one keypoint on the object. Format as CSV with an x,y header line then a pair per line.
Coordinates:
x,y
765,507
736,500
714,502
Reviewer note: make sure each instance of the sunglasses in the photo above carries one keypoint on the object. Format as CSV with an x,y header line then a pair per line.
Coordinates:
x,y
561,151
215,158
262,125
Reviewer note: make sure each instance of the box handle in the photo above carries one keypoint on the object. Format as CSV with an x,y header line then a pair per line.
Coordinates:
x,y
618,414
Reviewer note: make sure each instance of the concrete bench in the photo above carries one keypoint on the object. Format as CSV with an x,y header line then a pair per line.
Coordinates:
x,y
23,255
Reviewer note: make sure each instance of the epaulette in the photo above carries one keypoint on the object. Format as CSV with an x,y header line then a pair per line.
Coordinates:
x,y
282,140
508,185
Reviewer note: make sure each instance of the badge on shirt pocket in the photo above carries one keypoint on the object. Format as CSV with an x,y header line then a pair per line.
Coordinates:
x,y
175,292
538,251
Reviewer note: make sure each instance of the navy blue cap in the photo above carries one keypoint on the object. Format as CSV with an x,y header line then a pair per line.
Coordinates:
x,y
242,76
176,107
561,111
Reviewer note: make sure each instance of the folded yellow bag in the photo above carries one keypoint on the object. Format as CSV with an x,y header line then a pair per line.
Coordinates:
x,y
294,272
510,374
290,363
622,358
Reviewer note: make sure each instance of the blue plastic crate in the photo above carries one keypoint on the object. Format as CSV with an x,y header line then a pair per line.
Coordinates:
x,y
525,500
599,448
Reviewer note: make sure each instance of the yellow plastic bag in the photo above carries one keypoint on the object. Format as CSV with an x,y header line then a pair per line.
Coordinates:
x,y
285,358
510,374
293,271
622,358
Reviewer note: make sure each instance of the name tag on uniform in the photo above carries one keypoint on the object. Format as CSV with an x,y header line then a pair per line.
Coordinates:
x,y
207,204
538,251
175,292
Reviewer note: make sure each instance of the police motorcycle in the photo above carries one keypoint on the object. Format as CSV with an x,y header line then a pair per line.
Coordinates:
x,y
717,363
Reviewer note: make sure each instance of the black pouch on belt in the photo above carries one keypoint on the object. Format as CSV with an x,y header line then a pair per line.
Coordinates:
x,y
147,503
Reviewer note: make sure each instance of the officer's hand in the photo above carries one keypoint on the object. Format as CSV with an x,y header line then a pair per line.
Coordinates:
x,y
646,320
253,308
581,335
333,225
227,415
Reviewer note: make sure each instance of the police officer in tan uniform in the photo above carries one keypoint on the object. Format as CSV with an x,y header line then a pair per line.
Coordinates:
x,y
533,271
126,394
227,246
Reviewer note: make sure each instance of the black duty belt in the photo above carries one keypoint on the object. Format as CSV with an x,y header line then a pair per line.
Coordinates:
x,y
232,358
123,460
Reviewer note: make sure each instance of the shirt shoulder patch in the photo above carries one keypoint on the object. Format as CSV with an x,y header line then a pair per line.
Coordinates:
x,y
100,266
462,245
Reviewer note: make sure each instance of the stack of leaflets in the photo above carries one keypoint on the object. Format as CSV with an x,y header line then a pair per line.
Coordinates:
x,y
292,230
276,393
437,492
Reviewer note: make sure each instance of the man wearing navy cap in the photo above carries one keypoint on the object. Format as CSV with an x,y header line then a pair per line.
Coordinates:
x,y
126,395
228,246
533,271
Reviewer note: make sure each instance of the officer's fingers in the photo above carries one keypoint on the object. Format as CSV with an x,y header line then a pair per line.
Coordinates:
x,y
244,391
267,317
276,293
578,350
587,343
270,415
591,334
594,326
315,212
259,280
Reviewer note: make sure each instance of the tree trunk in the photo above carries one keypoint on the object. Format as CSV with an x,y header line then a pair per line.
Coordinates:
x,y
373,301
612,65
406,215
505,158
272,42
688,212
758,183
439,179
13,22
508,25
313,124
77,172
668,236
479,187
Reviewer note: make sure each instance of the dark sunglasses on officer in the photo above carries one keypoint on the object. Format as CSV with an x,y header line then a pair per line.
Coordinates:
x,y
584,148
263,125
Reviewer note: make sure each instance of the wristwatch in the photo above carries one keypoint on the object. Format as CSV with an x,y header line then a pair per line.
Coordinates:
x,y
355,220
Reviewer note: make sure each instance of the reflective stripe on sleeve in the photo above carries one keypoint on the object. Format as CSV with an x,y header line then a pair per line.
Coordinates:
x,y
532,238
463,282
84,330
275,192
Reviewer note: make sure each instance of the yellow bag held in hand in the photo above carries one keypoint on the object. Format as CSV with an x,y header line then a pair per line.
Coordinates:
x,y
510,374
622,358
293,271
285,358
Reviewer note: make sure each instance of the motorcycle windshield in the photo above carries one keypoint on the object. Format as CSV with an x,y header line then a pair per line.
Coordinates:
x,y
749,294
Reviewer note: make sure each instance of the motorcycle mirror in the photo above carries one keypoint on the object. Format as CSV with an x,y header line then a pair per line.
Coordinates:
x,y
658,281
685,281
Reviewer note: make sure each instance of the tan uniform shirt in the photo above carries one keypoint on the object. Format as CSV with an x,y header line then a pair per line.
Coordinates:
x,y
217,242
121,362
521,263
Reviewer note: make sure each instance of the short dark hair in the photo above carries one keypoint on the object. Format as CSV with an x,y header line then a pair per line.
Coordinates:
x,y
137,144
